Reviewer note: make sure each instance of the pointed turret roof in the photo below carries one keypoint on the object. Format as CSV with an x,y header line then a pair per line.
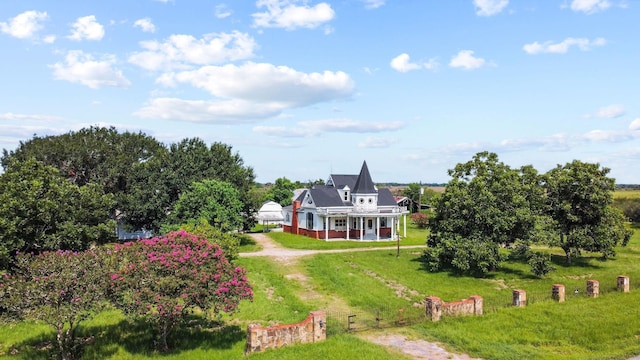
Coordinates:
x,y
364,184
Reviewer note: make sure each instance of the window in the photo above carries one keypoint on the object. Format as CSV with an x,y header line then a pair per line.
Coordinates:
x,y
383,222
340,223
361,200
346,196
309,220
370,224
370,200
288,219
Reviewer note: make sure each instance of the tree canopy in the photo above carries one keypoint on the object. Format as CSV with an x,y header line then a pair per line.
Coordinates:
x,y
39,211
488,205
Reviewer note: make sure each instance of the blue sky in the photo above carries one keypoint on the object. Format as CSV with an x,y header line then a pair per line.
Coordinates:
x,y
302,89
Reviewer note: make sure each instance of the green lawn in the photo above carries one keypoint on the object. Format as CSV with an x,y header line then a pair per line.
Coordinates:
x,y
580,328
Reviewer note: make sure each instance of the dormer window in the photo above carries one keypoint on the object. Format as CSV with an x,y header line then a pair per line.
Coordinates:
x,y
345,196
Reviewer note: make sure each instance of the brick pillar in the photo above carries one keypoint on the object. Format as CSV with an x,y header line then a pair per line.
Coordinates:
x,y
557,292
519,298
477,304
593,288
253,340
434,308
623,283
319,325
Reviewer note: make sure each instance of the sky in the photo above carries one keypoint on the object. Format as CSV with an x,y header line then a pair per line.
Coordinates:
x,y
303,89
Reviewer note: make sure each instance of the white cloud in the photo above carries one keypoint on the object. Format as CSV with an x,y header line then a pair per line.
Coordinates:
x,y
49,39
288,15
373,4
608,112
635,125
266,83
590,6
182,51
208,111
145,25
29,117
377,143
222,11
21,132
87,28
489,7
313,128
465,59
24,25
81,68
402,63
562,47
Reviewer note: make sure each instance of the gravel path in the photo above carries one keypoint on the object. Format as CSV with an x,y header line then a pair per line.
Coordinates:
x,y
418,349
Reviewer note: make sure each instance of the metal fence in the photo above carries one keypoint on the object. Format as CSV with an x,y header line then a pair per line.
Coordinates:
x,y
373,318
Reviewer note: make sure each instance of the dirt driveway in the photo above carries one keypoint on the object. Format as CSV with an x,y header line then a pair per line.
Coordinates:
x,y
417,349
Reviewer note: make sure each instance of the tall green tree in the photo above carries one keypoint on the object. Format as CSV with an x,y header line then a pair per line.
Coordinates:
x,y
486,206
580,198
282,191
413,193
217,202
39,211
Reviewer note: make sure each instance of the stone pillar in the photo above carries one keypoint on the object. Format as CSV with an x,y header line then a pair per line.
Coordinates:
x,y
593,288
319,325
623,283
434,308
557,292
253,340
477,304
519,298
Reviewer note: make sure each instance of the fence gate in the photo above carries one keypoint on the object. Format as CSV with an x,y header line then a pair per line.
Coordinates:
x,y
373,318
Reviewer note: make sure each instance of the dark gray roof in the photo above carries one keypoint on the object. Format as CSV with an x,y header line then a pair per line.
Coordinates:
x,y
340,181
325,196
300,197
364,185
385,198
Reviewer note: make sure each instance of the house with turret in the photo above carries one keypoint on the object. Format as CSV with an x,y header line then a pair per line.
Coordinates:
x,y
346,207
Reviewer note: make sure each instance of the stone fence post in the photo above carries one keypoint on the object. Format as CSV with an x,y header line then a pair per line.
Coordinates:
x,y
519,298
477,304
319,325
593,288
623,283
557,292
434,308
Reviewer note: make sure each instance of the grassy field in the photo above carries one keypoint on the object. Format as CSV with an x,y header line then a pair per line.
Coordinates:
x,y
626,194
580,328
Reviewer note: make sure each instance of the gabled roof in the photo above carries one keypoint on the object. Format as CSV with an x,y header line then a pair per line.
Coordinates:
x,y
385,198
340,181
364,184
326,196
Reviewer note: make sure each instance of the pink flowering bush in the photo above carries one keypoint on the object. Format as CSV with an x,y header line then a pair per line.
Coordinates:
x,y
420,220
163,279
60,288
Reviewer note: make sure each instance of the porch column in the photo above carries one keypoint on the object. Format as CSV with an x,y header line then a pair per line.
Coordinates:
x,y
326,228
377,228
393,228
361,227
405,225
348,226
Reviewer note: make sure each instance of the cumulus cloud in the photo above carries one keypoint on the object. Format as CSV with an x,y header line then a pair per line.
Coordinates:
x,y
266,83
287,14
82,68
562,47
183,51
24,25
590,6
222,11
489,7
465,59
608,112
208,111
145,25
635,125
377,143
313,128
87,28
373,4
403,63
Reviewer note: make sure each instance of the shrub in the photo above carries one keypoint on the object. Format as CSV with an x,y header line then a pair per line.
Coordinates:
x,y
420,220
60,288
164,279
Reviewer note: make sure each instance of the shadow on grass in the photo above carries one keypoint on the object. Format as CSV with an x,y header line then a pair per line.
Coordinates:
x,y
135,337
581,261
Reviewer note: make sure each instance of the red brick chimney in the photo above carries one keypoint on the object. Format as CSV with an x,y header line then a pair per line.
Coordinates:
x,y
294,218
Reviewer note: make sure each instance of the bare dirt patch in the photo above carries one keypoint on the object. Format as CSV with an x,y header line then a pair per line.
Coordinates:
x,y
418,349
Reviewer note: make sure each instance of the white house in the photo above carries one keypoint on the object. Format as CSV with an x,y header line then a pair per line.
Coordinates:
x,y
346,207
270,213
